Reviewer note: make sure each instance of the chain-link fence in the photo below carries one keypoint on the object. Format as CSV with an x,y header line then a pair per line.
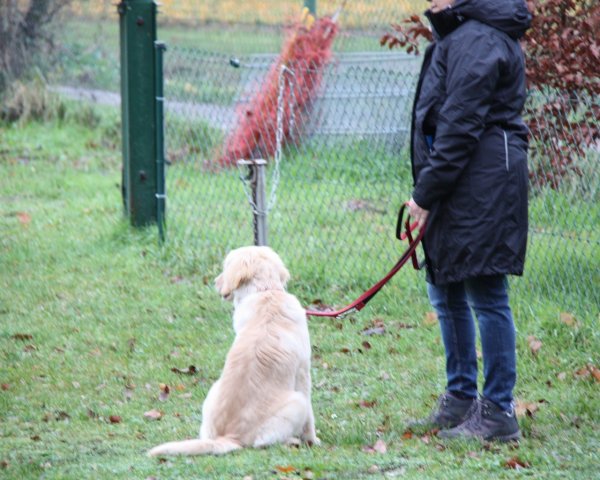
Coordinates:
x,y
344,171
341,169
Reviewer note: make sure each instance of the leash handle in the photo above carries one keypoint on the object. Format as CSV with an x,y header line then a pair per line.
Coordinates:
x,y
410,252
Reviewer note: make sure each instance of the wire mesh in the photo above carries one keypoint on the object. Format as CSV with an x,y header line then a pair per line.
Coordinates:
x,y
345,172
344,166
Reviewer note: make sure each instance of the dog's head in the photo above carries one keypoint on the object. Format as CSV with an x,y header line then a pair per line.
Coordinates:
x,y
256,269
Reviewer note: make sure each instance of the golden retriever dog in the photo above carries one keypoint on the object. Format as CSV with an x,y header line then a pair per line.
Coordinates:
x,y
263,396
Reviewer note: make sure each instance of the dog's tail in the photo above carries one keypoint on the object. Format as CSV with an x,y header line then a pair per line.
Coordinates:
x,y
217,446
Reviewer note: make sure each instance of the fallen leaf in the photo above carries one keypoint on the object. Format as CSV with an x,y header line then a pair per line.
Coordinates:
x,y
308,474
153,414
115,419
568,319
534,344
516,463
285,469
582,372
588,371
367,403
366,345
35,438
374,331
24,218
5,386
378,447
407,435
528,409
430,319
22,336
164,392
191,370
373,469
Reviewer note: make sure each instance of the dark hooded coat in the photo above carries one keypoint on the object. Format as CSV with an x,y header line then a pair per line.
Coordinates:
x,y
469,143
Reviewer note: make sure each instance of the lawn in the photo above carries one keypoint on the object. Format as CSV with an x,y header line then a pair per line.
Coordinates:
x,y
100,325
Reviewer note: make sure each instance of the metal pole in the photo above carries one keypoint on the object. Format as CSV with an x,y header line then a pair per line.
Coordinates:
x,y
259,193
137,21
159,49
257,198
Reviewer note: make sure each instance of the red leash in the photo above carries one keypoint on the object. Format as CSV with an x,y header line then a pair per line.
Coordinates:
x,y
410,252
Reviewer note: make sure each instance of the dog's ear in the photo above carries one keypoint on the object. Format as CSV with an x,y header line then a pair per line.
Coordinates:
x,y
236,271
284,275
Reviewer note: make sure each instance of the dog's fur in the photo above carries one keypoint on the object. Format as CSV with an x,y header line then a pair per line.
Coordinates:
x,y
263,396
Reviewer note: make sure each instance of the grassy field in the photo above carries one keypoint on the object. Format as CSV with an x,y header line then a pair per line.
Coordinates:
x,y
96,320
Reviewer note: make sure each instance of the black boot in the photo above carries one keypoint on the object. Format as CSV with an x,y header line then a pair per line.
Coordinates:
x,y
449,412
486,421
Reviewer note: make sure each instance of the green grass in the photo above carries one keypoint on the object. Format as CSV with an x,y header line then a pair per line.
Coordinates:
x,y
94,315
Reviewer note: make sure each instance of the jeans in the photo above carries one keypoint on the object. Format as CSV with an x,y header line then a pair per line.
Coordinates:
x,y
488,298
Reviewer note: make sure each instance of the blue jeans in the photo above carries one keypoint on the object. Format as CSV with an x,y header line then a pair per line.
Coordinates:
x,y
488,298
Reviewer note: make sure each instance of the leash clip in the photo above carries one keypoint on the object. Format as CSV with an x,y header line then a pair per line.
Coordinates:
x,y
347,312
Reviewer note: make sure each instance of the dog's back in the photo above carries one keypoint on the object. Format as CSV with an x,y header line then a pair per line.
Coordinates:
x,y
271,346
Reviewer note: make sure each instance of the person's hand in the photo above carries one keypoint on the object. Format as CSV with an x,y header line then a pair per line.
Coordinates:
x,y
418,213
439,5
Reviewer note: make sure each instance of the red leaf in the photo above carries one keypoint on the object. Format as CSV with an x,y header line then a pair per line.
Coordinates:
x,y
115,419
24,218
285,469
367,403
516,463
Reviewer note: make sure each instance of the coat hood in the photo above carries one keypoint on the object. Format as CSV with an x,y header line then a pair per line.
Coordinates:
x,y
509,16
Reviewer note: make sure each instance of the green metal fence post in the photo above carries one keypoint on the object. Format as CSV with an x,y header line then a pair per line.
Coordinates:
x,y
311,5
161,197
138,104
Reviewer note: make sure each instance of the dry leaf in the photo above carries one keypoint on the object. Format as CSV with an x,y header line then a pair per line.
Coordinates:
x,y
115,419
24,218
164,392
534,344
568,319
22,336
516,463
153,414
191,370
285,469
407,435
5,386
378,447
367,403
430,319
595,372
374,331
366,345
528,409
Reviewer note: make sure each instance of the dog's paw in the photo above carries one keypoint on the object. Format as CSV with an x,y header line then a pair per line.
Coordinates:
x,y
313,442
293,442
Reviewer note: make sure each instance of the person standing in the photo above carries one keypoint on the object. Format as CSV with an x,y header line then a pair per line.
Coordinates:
x,y
469,163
